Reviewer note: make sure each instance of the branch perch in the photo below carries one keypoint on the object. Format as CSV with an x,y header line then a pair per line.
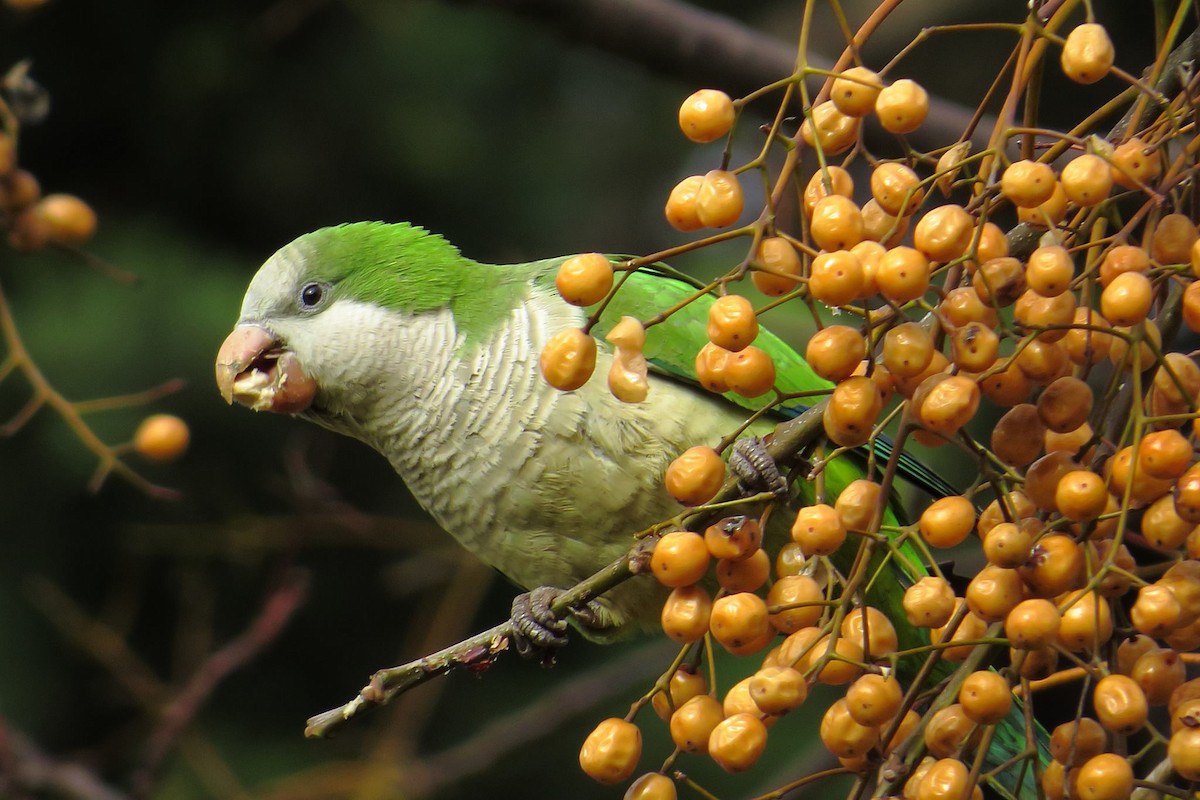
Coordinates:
x,y
478,652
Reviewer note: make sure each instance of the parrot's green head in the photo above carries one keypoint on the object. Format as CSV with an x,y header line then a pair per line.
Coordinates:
x,y
307,339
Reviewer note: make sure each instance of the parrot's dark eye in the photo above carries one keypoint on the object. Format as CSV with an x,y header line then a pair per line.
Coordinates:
x,y
311,295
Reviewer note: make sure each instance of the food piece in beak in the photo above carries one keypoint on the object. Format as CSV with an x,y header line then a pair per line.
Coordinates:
x,y
253,369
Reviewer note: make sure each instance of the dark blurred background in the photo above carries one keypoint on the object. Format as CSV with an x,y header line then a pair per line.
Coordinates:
x,y
206,136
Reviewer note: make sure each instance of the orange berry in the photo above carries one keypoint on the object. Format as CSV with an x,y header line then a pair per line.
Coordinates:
x,y
685,614
1087,55
585,279
778,690
949,165
896,188
682,210
1120,704
1126,300
1032,624
947,521
19,189
1087,180
680,558
1027,183
710,365
746,575
693,723
1173,239
1084,345
1134,163
1123,258
950,403
1065,404
737,742
871,630
1164,454
652,786
985,697
1081,495
929,603
1163,527
568,359
1106,776
732,323
970,629
739,620
719,200
944,233
903,274
975,347
750,372
842,735
907,349
611,751
1157,610
836,671
161,437
706,115
1056,565
902,106
797,601
873,699
835,352
835,132
685,683
857,504
947,730
1049,270
1072,743
695,476
1086,621
68,219
993,592
1049,213
881,227
1191,306
837,223
776,267
1159,672
1017,436
735,538
818,529
1008,544
853,408
999,281
831,180
963,306
947,779
854,92
836,278
1183,750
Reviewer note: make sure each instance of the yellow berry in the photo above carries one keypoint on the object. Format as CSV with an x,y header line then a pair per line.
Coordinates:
x,y
1087,180
836,278
680,558
69,220
1134,164
706,115
161,437
896,188
776,267
902,106
732,323
568,359
750,372
611,751
652,786
695,477
1027,183
1087,55
854,92
835,132
903,274
985,697
737,742
686,612
681,209
719,199
584,280
837,223
693,723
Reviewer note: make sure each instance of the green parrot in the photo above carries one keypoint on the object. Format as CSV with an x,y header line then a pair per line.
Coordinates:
x,y
386,333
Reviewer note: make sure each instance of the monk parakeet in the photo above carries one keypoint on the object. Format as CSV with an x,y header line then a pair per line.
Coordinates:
x,y
386,333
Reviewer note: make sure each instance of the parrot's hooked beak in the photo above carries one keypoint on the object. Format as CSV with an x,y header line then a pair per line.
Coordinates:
x,y
256,370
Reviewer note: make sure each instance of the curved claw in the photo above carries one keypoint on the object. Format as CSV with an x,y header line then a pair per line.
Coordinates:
x,y
754,467
537,630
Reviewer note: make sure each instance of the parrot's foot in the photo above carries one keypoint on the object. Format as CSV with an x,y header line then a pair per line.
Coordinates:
x,y
538,631
754,468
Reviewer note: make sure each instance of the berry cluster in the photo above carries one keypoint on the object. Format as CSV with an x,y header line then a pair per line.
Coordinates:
x,y
1051,289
